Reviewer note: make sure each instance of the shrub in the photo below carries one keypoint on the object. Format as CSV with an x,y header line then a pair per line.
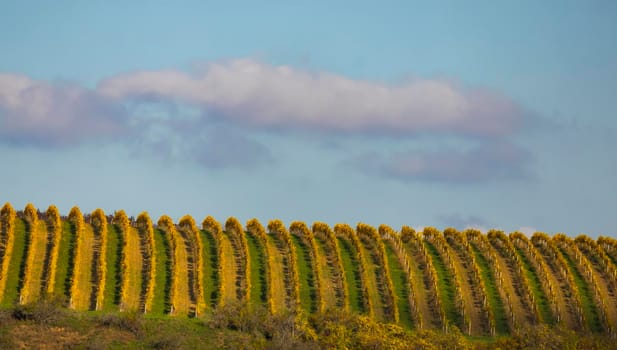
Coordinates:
x,y
126,321
44,311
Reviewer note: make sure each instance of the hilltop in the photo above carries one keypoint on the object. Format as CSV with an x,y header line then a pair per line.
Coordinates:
x,y
480,285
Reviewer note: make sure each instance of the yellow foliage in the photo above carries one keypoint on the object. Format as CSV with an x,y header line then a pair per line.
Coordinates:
x,y
372,239
255,227
301,230
323,231
187,224
521,241
32,219
146,238
123,223
346,232
214,227
77,220
54,225
388,234
7,225
411,237
276,227
543,241
238,240
176,297
99,225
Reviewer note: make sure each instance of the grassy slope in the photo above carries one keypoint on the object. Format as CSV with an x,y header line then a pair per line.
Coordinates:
x,y
11,291
541,299
258,270
522,314
372,282
352,275
181,299
38,247
327,272
64,267
589,307
494,299
401,286
112,278
228,277
423,290
445,283
133,273
83,281
90,330
209,268
471,293
308,292
306,275
606,283
277,279
162,284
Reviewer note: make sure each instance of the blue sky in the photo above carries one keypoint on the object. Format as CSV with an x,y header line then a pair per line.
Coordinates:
x,y
464,114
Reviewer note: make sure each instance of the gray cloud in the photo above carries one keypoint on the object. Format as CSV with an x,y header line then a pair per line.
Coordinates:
x,y
204,116
224,148
281,97
491,161
38,113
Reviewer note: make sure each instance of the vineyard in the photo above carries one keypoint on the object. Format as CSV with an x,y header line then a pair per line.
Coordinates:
x,y
482,284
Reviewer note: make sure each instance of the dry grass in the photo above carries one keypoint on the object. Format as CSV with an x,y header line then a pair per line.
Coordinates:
x,y
83,280
277,275
228,277
36,258
180,300
132,275
328,288
372,284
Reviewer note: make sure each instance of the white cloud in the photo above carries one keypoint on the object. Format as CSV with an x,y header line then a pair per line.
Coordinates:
x,y
248,95
262,95
37,112
497,160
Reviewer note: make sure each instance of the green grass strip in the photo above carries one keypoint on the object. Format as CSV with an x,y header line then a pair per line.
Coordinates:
x,y
401,287
612,258
18,259
212,280
66,256
308,293
541,299
112,278
257,255
162,282
494,299
209,270
589,307
445,283
352,275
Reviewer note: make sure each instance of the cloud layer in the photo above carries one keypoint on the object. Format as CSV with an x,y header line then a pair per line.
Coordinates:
x,y
44,114
148,109
497,160
264,96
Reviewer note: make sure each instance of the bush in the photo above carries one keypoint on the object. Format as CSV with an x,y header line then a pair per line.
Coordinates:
x,y
127,321
235,315
43,311
282,331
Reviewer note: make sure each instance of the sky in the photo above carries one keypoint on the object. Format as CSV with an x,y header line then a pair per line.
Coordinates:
x,y
484,114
